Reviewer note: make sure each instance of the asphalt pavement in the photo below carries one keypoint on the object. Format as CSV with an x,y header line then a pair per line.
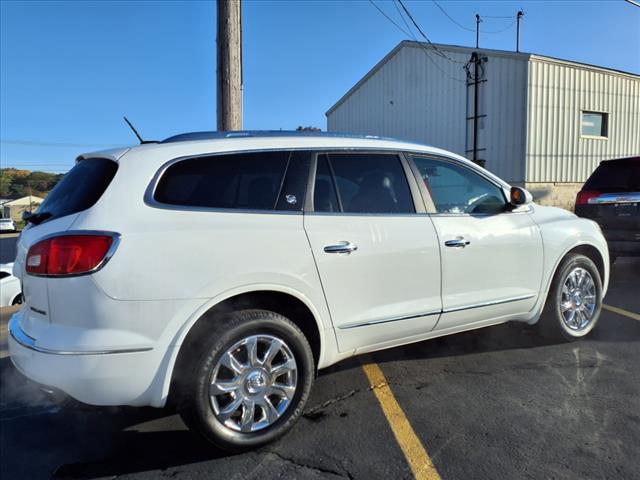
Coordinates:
x,y
497,403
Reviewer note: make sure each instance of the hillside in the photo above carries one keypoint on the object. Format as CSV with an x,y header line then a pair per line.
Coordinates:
x,y
15,183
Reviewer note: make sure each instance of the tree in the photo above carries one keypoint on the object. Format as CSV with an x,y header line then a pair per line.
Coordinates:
x,y
16,183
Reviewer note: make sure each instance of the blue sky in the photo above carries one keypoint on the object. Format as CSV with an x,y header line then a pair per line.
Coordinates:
x,y
70,70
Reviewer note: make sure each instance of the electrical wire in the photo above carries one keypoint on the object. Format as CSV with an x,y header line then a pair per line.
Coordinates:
x,y
395,4
501,30
415,24
390,19
434,47
427,50
497,16
451,18
471,29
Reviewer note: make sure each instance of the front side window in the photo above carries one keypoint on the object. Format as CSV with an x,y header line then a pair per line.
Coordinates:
x,y
594,124
239,181
362,183
457,190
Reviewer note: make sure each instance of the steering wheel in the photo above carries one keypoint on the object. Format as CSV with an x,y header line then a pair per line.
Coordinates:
x,y
474,203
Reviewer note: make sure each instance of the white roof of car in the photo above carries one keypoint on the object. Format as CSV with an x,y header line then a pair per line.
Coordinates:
x,y
250,140
199,143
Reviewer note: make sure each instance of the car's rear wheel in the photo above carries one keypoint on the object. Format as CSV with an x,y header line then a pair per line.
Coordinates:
x,y
250,380
17,300
574,302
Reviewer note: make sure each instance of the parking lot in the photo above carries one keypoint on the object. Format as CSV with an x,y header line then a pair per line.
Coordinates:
x,y
497,403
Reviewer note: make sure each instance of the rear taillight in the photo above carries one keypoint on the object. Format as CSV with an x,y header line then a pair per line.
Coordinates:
x,y
584,196
68,254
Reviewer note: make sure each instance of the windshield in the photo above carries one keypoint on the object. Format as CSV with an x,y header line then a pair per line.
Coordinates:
x,y
79,189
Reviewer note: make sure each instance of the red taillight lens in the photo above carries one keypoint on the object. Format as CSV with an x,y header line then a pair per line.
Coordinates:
x,y
583,197
37,258
68,254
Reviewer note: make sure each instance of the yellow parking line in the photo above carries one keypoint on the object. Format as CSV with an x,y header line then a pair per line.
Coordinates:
x,y
416,455
621,311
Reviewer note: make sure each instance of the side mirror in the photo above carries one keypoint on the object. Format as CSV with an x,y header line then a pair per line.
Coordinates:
x,y
519,196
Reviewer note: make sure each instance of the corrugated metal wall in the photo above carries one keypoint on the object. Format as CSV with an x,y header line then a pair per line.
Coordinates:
x,y
417,95
504,132
558,92
413,97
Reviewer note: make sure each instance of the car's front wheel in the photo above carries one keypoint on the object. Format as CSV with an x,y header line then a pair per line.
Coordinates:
x,y
574,301
250,380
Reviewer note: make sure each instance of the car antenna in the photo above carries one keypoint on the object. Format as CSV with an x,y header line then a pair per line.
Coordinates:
x,y
142,142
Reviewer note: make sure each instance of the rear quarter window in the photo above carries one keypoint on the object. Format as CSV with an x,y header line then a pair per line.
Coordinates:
x,y
80,188
237,181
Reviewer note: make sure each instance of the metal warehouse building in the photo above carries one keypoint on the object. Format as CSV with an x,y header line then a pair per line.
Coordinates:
x,y
536,121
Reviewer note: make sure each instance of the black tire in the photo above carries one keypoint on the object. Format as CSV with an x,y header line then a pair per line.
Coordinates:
x,y
17,300
552,322
196,407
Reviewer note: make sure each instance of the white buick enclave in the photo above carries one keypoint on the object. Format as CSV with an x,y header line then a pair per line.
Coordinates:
x,y
221,271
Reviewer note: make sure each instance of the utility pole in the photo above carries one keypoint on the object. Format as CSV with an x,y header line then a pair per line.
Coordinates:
x,y
229,65
518,18
478,30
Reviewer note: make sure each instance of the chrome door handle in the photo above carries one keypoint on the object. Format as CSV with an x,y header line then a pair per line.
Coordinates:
x,y
342,247
459,242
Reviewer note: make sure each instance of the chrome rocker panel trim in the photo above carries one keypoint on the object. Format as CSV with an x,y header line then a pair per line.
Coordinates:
x,y
448,310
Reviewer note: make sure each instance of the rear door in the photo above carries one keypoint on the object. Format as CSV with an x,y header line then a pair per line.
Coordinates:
x,y
491,255
375,249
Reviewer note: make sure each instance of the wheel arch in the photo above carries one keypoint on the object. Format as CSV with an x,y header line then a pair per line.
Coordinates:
x,y
590,251
293,307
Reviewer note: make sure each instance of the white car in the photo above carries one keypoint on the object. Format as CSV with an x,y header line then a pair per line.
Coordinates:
x,y
7,225
9,286
219,272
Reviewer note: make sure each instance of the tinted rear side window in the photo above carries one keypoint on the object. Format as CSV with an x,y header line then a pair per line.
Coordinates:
x,y
616,176
80,188
242,180
371,183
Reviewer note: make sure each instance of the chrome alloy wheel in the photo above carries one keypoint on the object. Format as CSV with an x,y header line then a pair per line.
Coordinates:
x,y
578,300
253,383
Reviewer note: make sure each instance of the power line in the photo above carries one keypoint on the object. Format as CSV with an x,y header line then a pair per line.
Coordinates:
x,y
415,24
497,16
427,50
390,19
471,29
395,4
451,18
501,30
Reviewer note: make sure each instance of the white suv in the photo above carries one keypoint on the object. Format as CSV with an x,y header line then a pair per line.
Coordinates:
x,y
221,271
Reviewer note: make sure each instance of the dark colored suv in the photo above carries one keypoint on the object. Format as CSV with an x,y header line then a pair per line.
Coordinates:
x,y
611,197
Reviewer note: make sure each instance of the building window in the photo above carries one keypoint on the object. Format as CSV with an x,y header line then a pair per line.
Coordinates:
x,y
594,124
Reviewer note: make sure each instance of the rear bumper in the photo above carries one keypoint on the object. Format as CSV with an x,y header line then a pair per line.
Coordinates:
x,y
99,377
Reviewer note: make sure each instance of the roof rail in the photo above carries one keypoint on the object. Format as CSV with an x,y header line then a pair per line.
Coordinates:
x,y
215,135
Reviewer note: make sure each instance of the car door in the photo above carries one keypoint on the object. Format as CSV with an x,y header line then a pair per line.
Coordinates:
x,y
491,253
375,249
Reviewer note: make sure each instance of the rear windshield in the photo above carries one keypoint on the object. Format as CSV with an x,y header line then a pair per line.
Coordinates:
x,y
616,176
80,188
